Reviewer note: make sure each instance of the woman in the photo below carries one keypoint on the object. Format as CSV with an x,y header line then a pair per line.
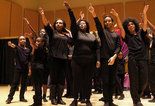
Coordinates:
x,y
110,47
39,57
59,40
136,40
86,55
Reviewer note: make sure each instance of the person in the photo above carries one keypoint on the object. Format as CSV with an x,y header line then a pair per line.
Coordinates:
x,y
85,55
59,39
120,77
136,41
110,47
44,36
39,58
152,60
22,61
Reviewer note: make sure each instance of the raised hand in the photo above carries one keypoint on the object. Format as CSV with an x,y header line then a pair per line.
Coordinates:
x,y
91,8
41,11
81,15
146,7
66,4
11,44
113,12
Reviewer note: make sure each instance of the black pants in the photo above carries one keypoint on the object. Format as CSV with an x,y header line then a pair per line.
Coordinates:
x,y
108,79
19,75
37,76
138,74
69,79
119,84
82,78
152,78
57,75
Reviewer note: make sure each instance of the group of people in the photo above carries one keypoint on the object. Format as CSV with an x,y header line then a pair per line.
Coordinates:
x,y
81,52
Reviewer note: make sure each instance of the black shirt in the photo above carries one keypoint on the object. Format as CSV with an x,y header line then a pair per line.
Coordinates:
x,y
137,45
153,51
106,50
58,45
86,46
22,58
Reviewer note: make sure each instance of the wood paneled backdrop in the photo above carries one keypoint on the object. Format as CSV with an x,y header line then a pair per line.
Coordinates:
x,y
12,24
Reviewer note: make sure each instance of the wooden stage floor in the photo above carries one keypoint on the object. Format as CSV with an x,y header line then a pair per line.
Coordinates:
x,y
94,99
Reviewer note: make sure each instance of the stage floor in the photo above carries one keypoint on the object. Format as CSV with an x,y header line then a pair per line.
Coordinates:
x,y
94,99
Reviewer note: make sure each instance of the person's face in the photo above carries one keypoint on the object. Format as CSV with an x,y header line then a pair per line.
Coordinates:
x,y
108,22
42,32
59,25
131,27
39,42
22,41
120,55
82,25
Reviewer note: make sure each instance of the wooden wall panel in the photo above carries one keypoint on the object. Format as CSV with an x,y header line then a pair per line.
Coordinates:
x,y
50,17
133,9
16,20
33,17
118,7
100,11
5,8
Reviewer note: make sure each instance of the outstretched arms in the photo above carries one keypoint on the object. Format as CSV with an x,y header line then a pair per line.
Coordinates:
x,y
44,19
146,7
119,23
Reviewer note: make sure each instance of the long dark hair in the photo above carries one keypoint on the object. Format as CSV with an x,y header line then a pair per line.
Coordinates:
x,y
104,17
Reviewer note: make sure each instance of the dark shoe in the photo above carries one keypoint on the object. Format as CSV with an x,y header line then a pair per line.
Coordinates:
x,y
8,101
88,103
44,98
61,102
74,103
54,101
23,100
106,104
35,104
138,104
65,95
83,101
152,100
101,99
146,97
121,97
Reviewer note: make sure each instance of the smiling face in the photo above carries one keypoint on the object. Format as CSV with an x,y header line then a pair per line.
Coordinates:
x,y
131,27
39,42
108,22
22,41
82,25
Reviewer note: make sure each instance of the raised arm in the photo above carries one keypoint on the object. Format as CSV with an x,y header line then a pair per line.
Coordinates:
x,y
74,29
43,17
97,22
119,23
81,16
30,26
152,27
146,7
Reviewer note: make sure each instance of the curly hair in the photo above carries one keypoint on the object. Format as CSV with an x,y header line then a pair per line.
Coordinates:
x,y
87,24
135,22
